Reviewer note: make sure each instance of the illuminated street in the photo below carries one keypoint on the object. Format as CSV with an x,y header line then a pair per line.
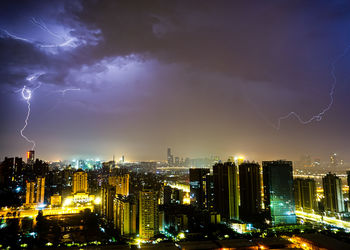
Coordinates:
x,y
46,211
332,221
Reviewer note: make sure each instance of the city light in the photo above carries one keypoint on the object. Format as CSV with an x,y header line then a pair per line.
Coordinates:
x,y
97,200
164,125
67,202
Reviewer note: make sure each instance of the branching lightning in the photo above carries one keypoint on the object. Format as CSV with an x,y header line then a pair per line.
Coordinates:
x,y
318,117
43,26
27,95
64,42
63,92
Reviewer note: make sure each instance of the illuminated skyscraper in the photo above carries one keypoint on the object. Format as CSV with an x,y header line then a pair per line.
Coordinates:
x,y
30,157
305,194
226,190
170,158
80,184
333,195
209,193
125,214
121,182
107,195
40,189
148,214
250,191
278,191
165,195
30,192
198,186
35,191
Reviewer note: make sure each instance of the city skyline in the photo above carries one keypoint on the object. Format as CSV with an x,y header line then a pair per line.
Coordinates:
x,y
117,78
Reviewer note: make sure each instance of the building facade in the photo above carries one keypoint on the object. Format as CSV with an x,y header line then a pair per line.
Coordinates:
x,y
125,214
278,192
333,195
305,194
198,186
226,190
35,191
250,191
148,214
80,183
121,183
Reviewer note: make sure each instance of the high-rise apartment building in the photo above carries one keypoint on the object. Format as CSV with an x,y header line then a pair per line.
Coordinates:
x,y
278,191
305,194
250,191
35,191
30,192
40,189
198,186
80,184
165,195
333,195
125,214
226,190
121,183
107,199
209,193
148,214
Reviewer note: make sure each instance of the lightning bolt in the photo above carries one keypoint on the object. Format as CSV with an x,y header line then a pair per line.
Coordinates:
x,y
63,92
43,26
318,117
27,94
71,42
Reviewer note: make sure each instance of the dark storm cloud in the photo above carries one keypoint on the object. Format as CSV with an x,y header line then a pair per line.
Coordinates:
x,y
264,41
272,42
41,36
176,71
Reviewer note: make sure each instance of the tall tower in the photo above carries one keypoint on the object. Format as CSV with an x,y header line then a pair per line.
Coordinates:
x,y
30,157
250,191
198,186
108,195
148,214
80,182
170,158
125,214
333,195
226,190
305,194
40,189
278,191
30,192
35,191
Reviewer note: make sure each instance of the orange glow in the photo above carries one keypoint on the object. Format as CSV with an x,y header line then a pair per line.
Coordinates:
x,y
28,153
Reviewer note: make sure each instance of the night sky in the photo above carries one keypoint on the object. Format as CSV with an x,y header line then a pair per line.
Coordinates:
x,y
202,77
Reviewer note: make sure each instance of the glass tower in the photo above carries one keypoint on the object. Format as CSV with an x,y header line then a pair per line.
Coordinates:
x,y
278,191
